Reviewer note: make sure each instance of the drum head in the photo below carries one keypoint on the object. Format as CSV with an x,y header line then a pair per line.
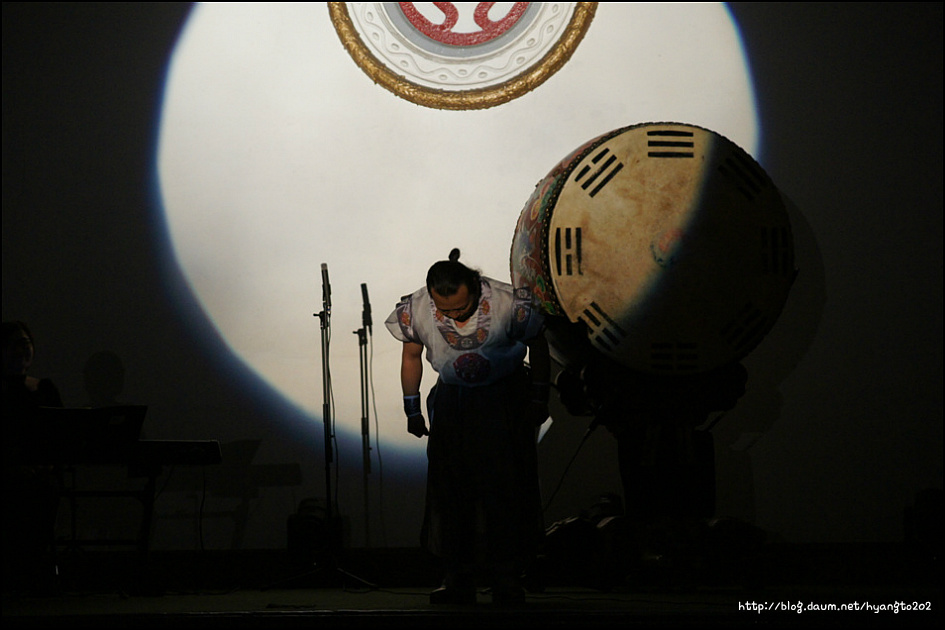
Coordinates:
x,y
666,241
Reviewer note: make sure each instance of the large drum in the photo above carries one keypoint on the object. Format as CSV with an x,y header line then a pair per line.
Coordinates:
x,y
664,246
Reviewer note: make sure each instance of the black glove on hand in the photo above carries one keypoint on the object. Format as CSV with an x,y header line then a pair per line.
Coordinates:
x,y
416,425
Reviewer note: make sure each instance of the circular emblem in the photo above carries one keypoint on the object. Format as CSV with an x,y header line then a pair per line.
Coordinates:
x,y
460,55
472,367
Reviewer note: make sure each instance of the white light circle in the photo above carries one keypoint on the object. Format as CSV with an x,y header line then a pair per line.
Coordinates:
x,y
277,153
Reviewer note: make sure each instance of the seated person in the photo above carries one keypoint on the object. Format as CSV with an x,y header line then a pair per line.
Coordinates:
x,y
30,490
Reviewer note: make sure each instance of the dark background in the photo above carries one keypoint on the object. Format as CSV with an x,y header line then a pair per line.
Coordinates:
x,y
842,424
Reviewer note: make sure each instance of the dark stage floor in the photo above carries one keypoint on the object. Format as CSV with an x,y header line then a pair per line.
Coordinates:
x,y
784,585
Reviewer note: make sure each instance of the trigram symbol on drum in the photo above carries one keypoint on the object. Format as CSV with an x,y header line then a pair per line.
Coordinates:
x,y
739,169
746,329
568,251
603,330
600,171
777,255
669,143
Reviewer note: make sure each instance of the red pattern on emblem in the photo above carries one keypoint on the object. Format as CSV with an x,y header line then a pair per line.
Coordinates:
x,y
444,34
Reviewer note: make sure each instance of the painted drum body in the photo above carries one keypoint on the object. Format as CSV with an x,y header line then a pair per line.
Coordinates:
x,y
662,246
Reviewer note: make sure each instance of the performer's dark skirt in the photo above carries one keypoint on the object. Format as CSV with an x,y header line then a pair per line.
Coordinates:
x,y
483,503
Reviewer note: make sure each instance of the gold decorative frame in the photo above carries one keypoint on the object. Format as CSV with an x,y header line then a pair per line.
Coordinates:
x,y
482,98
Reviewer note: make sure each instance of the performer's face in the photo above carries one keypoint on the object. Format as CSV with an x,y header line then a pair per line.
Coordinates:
x,y
459,306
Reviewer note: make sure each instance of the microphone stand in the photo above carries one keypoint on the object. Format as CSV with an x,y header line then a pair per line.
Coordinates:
x,y
334,531
324,317
362,334
365,437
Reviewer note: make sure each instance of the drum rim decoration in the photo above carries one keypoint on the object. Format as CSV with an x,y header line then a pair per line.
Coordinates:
x,y
480,98
552,201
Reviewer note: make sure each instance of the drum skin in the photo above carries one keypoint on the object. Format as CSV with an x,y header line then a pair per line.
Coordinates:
x,y
662,246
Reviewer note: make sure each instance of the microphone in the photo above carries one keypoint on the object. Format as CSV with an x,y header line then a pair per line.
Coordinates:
x,y
366,315
326,288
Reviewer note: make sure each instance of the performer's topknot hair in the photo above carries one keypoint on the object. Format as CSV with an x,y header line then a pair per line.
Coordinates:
x,y
446,276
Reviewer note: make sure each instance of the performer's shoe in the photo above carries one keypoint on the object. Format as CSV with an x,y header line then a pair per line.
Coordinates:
x,y
454,596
